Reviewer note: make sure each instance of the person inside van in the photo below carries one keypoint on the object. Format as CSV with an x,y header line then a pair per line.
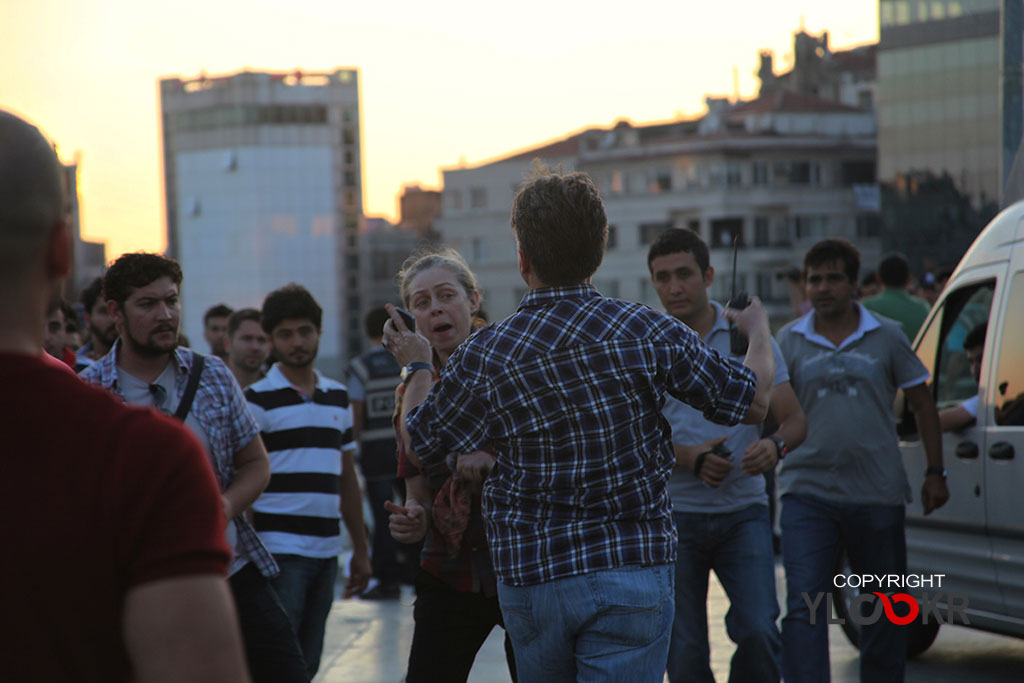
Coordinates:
x,y
960,416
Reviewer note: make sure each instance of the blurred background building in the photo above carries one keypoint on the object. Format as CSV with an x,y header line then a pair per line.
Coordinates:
x,y
263,186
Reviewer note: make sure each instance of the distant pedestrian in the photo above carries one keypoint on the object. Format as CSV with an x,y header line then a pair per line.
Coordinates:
x,y
895,302
215,329
248,346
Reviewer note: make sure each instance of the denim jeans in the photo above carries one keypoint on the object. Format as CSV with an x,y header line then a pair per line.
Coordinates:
x,y
813,533
608,625
738,547
450,627
271,648
306,588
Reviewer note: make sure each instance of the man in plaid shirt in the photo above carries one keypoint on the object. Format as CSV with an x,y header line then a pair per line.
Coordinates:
x,y
567,394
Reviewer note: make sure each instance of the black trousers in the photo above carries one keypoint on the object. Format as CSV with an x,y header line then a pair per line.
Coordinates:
x,y
271,648
450,628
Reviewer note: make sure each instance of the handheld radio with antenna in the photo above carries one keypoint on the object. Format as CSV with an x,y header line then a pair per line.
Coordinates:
x,y
738,301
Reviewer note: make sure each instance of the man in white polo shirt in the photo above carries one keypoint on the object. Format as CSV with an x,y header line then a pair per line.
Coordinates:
x,y
306,425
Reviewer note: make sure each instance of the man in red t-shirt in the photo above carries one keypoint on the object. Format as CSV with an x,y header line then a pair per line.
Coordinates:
x,y
113,558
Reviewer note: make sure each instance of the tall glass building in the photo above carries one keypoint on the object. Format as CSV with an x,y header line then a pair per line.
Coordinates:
x,y
263,186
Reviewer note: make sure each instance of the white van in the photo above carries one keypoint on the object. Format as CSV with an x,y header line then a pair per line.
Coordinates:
x,y
977,539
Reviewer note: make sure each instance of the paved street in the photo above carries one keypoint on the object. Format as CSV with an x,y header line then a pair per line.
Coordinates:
x,y
368,642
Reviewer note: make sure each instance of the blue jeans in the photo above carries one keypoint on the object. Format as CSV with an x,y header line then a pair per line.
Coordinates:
x,y
306,589
813,533
738,547
608,625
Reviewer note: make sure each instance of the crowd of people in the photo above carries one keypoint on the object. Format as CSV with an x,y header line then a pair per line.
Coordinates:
x,y
572,473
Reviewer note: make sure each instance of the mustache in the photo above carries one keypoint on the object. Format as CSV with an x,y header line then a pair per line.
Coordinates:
x,y
165,328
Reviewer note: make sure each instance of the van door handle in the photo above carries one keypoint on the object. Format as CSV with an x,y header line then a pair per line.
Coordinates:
x,y
967,450
1001,451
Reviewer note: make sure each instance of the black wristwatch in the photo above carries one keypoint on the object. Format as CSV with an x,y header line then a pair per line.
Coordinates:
x,y
780,446
415,366
935,469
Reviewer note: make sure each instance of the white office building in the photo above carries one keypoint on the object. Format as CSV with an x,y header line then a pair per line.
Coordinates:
x,y
263,183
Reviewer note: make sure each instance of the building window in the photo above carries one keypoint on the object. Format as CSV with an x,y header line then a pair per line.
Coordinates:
x,y
658,181
725,230
869,225
650,231
733,174
809,227
453,198
613,237
620,182
762,231
348,135
857,172
759,173
478,197
350,179
478,250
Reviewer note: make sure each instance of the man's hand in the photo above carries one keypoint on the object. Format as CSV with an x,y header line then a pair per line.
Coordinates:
x,y
714,468
759,457
473,468
407,524
750,321
359,573
934,493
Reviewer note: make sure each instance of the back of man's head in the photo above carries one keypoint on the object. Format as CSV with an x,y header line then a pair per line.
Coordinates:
x,y
674,240
289,302
374,322
894,271
560,225
131,271
33,199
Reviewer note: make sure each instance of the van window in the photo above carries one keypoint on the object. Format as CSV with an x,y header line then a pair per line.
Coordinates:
x,y
941,348
1009,402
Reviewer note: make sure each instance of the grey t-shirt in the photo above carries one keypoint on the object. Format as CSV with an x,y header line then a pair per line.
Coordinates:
x,y
851,453
137,392
689,427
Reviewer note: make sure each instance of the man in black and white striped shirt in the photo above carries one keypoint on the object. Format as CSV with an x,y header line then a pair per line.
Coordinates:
x,y
306,425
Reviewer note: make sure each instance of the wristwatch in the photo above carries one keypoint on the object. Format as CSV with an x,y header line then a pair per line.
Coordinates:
x,y
780,446
415,366
935,469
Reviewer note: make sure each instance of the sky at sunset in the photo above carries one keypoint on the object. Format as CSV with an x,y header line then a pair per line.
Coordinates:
x,y
442,83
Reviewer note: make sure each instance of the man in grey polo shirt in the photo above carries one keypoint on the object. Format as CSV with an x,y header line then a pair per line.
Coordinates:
x,y
845,485
719,504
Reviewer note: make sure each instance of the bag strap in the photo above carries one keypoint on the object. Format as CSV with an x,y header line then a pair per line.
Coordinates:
x,y
198,361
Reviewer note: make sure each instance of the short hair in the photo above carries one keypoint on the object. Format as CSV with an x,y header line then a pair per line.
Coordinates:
x,y
138,269
374,321
560,225
443,257
674,240
70,315
91,294
240,316
976,337
834,249
33,197
893,270
291,301
218,311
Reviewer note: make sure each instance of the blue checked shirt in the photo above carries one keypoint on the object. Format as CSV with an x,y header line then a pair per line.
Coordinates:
x,y
567,393
221,410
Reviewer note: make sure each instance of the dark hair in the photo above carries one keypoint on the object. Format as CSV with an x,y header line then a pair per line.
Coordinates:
x,y
894,271
70,315
976,337
239,317
218,311
374,321
870,278
131,271
91,294
674,240
290,301
560,225
834,249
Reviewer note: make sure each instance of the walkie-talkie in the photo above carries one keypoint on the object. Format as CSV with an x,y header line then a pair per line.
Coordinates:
x,y
738,301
